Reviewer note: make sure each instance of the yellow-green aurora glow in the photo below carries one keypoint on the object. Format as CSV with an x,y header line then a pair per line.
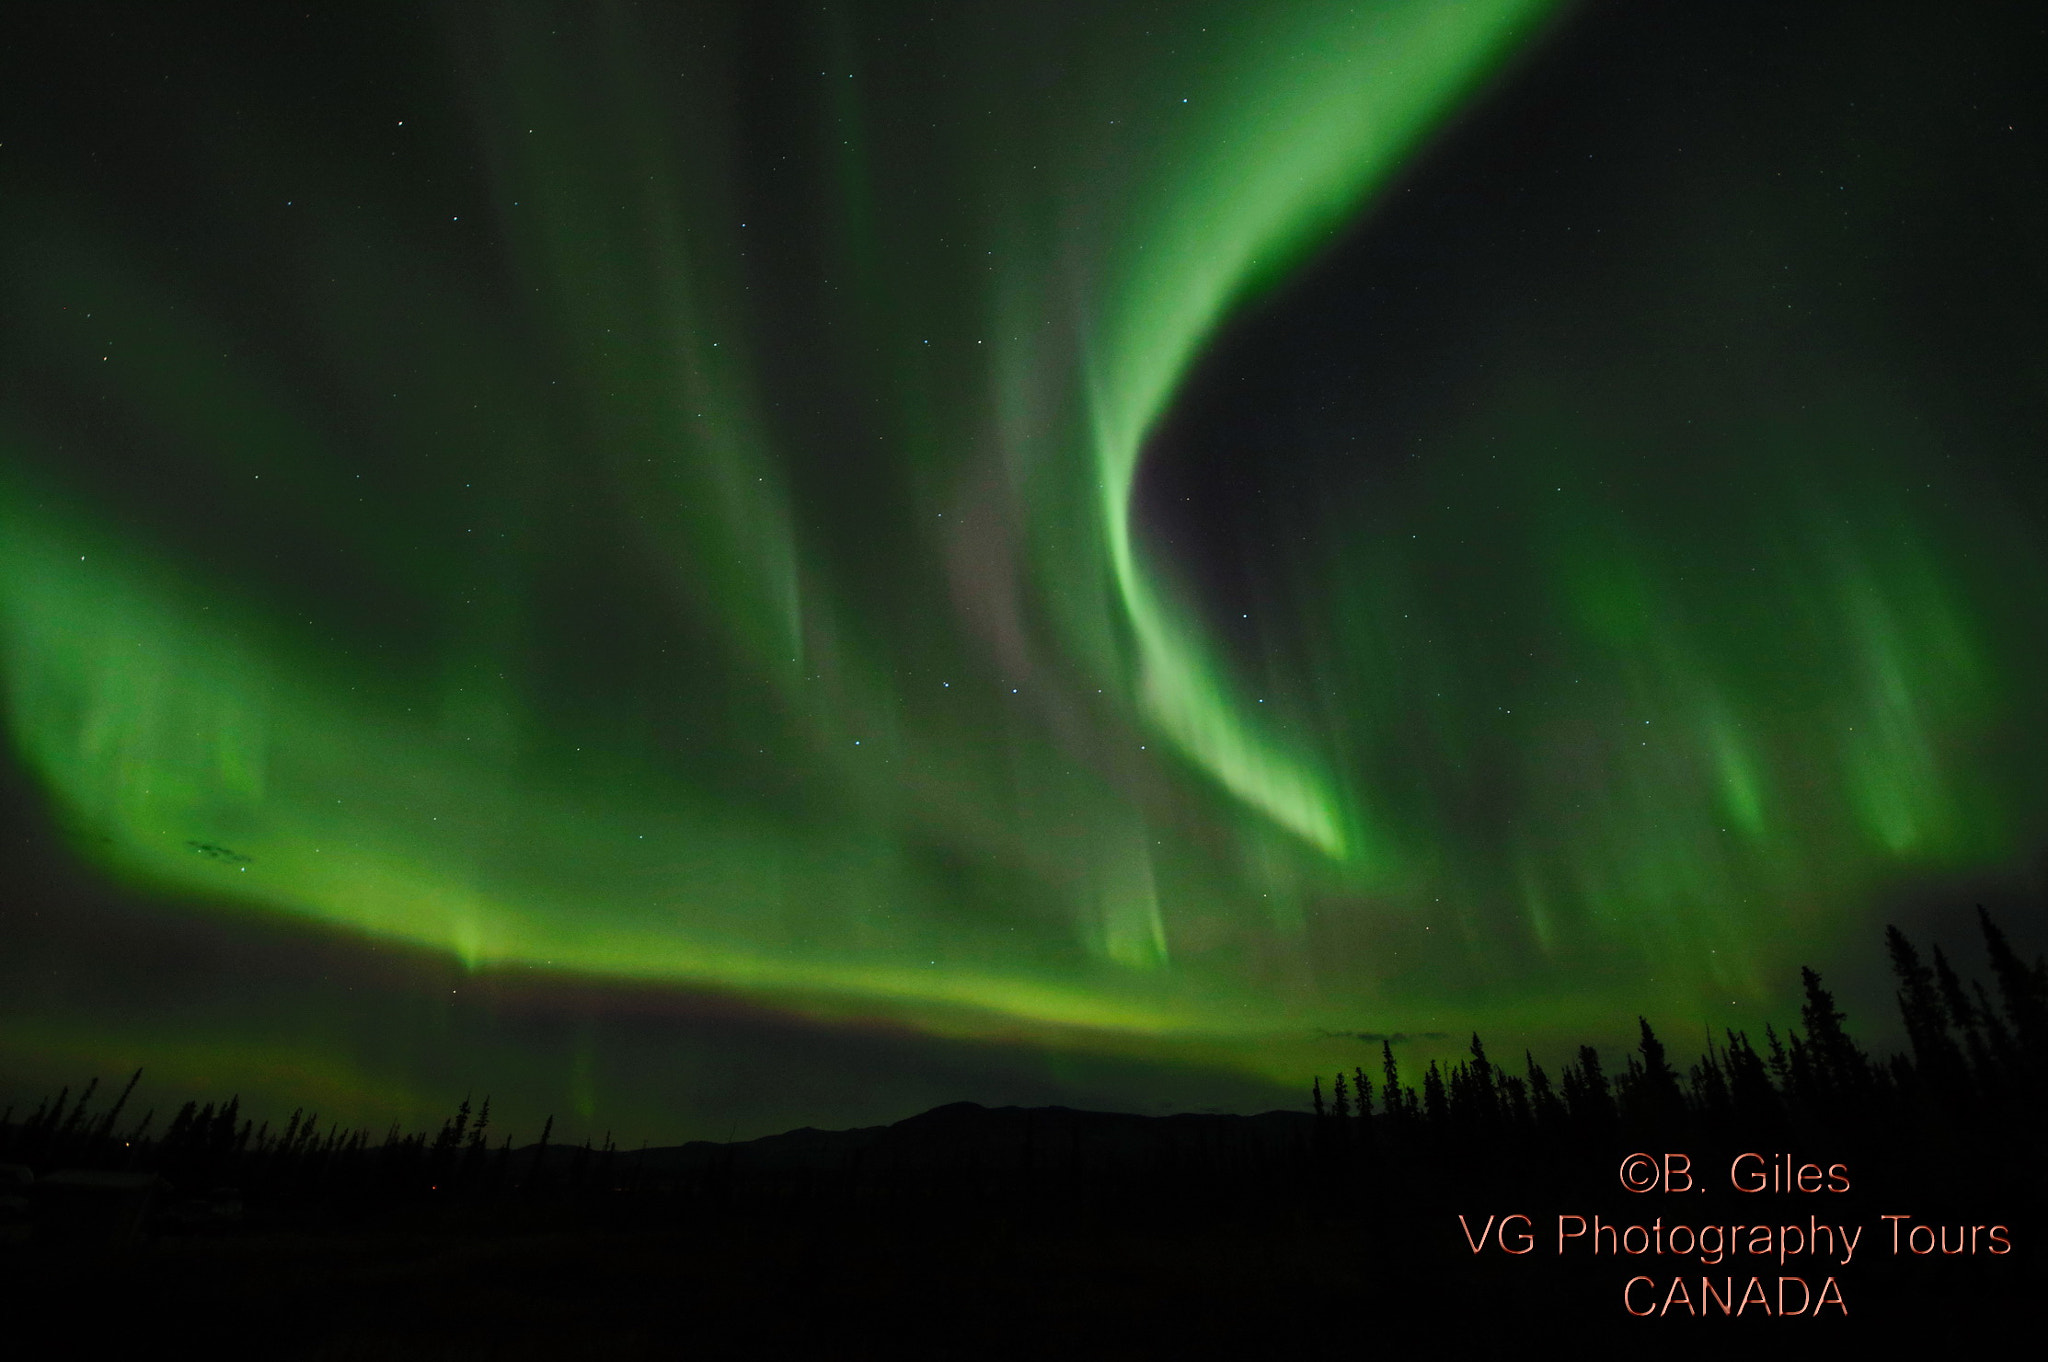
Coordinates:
x,y
668,504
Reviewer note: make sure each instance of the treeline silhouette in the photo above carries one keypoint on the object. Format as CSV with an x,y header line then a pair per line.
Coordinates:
x,y
1975,1070
1018,1232
1973,1078
215,1145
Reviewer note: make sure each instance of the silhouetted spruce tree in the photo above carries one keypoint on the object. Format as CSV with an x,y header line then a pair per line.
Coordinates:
x,y
1436,1107
1390,1094
1547,1109
536,1171
1841,1073
46,1114
1750,1092
1962,1014
1514,1101
181,1124
1708,1081
2024,991
106,1126
2005,1052
1587,1094
325,1160
1937,1060
1364,1131
61,1142
1485,1092
471,1170
1804,1089
1653,1092
443,1154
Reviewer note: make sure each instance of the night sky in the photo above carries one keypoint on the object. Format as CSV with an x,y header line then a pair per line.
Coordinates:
x,y
720,566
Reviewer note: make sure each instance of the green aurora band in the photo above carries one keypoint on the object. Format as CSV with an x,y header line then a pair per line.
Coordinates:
x,y
614,559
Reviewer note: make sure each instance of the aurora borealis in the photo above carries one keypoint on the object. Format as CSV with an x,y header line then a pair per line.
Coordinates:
x,y
1132,536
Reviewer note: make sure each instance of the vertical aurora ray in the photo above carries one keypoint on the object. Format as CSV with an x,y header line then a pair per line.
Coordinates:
x,y
674,494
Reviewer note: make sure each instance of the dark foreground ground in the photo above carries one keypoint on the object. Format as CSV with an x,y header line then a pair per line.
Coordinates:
x,y
837,1282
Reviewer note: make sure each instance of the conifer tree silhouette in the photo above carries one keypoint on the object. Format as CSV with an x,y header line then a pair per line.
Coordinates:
x,y
1435,1105
1780,1062
62,1138
1708,1084
536,1171
1937,1060
1962,1014
1654,1097
500,1163
1548,1110
2024,991
106,1125
1586,1092
1485,1093
1750,1093
1514,1100
2005,1052
1840,1070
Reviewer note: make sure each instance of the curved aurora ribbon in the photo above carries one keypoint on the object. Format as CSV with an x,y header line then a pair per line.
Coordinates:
x,y
542,621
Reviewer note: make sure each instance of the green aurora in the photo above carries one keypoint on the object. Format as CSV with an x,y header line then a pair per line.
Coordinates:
x,y
654,496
